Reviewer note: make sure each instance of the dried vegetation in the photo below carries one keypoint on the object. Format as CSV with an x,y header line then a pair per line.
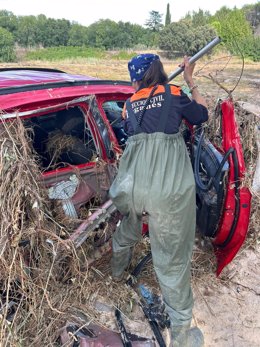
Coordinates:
x,y
40,290
40,286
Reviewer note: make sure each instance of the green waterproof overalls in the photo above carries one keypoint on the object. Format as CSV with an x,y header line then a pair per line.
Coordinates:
x,y
155,176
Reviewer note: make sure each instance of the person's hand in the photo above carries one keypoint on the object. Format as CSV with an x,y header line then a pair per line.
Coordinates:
x,y
188,70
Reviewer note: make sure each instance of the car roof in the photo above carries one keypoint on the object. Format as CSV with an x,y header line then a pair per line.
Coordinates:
x,y
29,76
19,77
51,84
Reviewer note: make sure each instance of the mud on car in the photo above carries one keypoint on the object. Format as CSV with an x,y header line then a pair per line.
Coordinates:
x,y
78,136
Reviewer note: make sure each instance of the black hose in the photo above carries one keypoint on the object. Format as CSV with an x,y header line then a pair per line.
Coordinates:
x,y
139,267
237,203
200,184
124,335
203,187
153,324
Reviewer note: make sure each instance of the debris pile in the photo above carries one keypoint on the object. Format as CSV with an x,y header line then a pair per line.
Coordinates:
x,y
41,282
47,286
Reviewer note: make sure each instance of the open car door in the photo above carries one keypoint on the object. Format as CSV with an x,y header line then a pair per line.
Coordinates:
x,y
223,204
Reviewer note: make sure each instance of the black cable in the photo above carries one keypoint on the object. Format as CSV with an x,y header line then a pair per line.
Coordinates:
x,y
200,184
139,268
153,324
124,335
237,203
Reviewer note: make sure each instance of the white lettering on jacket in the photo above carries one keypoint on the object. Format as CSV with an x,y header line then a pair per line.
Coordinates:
x,y
155,102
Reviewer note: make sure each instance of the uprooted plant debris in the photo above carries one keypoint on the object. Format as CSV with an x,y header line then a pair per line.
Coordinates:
x,y
45,281
39,291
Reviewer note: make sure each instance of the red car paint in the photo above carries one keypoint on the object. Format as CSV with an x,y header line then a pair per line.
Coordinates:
x,y
226,251
38,91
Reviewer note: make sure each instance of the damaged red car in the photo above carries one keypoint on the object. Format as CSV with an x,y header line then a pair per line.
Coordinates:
x,y
78,136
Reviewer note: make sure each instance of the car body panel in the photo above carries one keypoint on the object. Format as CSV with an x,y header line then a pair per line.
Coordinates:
x,y
235,218
32,94
50,96
46,88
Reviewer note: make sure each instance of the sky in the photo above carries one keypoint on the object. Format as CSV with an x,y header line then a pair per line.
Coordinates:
x,y
86,12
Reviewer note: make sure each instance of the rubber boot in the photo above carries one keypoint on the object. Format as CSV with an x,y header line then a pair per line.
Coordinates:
x,y
187,337
119,263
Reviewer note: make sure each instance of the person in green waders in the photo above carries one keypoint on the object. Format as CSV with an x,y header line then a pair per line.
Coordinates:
x,y
155,176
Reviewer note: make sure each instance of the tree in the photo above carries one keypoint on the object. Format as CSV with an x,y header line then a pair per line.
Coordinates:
x,y
154,22
78,35
41,28
197,19
6,46
8,21
252,13
232,27
181,38
168,15
200,18
103,34
140,35
56,32
26,31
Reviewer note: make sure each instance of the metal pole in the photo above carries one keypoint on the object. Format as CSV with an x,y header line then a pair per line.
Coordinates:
x,y
198,55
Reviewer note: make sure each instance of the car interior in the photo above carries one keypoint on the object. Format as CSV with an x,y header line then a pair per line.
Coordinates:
x,y
210,169
61,138
113,110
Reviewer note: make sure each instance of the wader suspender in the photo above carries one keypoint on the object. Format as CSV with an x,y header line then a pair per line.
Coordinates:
x,y
136,124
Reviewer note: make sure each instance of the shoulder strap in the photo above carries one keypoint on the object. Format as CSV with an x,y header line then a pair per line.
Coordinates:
x,y
146,104
136,123
136,127
165,109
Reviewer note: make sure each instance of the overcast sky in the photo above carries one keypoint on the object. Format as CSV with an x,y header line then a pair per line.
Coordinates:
x,y
86,12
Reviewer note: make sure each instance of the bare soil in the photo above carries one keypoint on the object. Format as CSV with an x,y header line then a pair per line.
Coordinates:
x,y
227,309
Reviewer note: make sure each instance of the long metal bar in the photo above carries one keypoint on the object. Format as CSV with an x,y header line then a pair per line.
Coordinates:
x,y
197,56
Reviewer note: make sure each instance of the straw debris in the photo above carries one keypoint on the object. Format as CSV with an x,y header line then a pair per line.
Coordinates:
x,y
39,292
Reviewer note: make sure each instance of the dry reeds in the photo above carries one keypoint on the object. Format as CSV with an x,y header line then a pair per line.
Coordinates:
x,y
57,143
38,291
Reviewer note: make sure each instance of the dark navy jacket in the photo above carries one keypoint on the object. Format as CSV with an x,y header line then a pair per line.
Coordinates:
x,y
181,107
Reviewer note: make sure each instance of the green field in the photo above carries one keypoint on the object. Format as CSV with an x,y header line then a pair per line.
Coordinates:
x,y
69,52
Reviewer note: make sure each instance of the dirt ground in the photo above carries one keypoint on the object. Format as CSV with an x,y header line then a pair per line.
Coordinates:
x,y
226,309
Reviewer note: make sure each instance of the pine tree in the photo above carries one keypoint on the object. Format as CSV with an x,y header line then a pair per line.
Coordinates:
x,y
168,15
154,22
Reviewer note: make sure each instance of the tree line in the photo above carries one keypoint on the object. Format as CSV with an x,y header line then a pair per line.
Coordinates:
x,y
235,26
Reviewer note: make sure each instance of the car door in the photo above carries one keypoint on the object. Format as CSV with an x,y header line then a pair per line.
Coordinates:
x,y
223,203
73,181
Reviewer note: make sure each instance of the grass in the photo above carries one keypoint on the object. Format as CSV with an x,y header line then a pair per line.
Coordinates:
x,y
67,53
61,53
